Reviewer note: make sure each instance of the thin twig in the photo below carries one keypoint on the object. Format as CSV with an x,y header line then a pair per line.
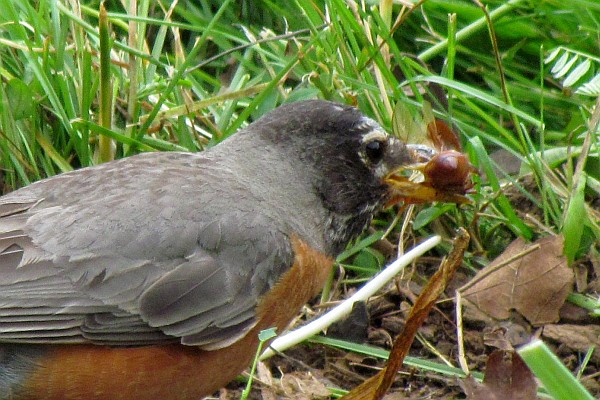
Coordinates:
x,y
462,359
530,249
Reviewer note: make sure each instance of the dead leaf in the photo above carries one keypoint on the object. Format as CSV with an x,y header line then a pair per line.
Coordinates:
x,y
506,377
533,279
577,337
263,373
506,335
574,314
300,385
395,396
375,387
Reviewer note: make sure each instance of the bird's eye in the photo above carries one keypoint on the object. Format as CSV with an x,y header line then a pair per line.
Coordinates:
x,y
375,150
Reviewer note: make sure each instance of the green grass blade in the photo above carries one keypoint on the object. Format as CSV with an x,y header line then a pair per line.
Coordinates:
x,y
555,377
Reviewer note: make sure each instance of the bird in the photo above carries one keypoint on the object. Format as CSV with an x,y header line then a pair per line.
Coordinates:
x,y
150,277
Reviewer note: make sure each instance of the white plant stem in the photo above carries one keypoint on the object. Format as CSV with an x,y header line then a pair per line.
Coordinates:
x,y
342,310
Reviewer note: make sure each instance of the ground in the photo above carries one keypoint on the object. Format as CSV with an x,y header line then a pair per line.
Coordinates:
x,y
307,370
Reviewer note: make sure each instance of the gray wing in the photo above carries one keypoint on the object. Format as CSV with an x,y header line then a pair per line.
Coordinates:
x,y
117,263
206,305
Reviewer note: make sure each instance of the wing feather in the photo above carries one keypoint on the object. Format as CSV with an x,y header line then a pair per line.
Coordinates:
x,y
113,262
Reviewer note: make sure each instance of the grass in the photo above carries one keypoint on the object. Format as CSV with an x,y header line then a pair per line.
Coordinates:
x,y
555,377
80,86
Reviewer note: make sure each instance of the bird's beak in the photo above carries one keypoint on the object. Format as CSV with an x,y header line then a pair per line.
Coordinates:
x,y
424,181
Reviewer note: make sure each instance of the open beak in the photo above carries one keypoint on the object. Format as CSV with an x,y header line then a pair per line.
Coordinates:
x,y
432,176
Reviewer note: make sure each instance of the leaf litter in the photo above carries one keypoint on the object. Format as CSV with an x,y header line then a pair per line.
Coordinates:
x,y
532,279
517,296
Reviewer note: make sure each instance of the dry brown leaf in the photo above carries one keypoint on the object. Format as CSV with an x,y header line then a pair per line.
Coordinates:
x,y
533,279
375,387
577,337
263,373
506,377
300,385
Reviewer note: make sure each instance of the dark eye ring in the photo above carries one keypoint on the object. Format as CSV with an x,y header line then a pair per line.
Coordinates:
x,y
375,150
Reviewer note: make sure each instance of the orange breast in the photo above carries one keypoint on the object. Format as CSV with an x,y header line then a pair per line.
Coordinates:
x,y
172,372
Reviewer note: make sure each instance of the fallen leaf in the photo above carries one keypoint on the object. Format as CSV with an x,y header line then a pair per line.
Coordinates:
x,y
577,337
507,334
300,385
263,373
506,377
375,387
533,279
574,314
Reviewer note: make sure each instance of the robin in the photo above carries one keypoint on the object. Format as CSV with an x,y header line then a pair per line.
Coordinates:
x,y
150,277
